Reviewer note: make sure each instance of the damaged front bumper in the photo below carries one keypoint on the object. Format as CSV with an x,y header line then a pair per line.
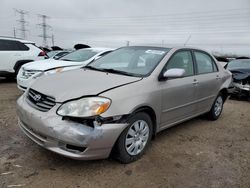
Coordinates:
x,y
238,88
245,87
68,138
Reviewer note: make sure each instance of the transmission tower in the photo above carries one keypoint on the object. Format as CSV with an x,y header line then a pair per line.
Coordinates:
x,y
45,28
22,22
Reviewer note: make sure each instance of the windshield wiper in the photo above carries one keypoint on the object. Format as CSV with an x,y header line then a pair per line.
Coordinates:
x,y
92,68
119,72
109,70
65,59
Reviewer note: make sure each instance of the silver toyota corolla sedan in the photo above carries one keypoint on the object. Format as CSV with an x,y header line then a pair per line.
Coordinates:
x,y
116,104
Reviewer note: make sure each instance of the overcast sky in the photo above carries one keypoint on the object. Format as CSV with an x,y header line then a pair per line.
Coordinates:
x,y
216,25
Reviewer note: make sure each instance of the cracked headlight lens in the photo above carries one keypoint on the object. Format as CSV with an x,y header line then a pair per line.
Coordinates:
x,y
84,107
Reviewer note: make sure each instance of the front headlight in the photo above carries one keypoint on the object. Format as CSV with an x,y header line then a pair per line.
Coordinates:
x,y
84,107
53,71
37,75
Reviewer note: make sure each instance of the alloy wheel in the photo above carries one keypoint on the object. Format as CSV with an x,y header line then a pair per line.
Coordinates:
x,y
137,137
218,106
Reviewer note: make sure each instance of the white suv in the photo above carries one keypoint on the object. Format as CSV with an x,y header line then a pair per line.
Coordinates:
x,y
74,60
16,52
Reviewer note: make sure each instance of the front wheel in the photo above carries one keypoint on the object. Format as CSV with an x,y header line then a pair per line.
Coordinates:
x,y
17,70
134,140
217,108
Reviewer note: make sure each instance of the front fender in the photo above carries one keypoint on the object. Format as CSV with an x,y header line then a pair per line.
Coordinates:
x,y
129,98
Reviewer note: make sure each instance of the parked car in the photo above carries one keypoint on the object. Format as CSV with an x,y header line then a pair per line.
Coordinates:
x,y
57,54
111,106
74,60
240,69
16,52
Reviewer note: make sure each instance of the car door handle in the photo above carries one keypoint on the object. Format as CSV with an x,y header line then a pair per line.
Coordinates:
x,y
195,82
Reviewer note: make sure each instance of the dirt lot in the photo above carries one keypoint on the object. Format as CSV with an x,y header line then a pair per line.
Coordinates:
x,y
198,153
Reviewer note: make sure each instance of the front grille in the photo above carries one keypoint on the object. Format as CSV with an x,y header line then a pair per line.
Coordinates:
x,y
40,101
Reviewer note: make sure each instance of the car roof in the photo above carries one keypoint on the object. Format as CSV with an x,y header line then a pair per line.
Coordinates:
x,y
174,47
16,39
99,49
169,47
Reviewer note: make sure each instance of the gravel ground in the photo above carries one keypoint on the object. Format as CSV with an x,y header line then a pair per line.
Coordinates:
x,y
198,153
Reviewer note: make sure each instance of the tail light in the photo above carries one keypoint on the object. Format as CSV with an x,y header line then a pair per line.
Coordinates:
x,y
42,53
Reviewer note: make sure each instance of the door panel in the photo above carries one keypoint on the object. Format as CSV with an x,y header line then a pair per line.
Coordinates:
x,y
208,82
8,60
207,90
178,96
9,51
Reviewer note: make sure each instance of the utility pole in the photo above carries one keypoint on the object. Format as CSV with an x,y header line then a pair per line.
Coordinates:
x,y
14,32
162,43
45,28
53,40
22,22
189,37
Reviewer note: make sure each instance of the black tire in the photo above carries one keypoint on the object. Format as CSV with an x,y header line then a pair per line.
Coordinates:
x,y
212,114
120,153
11,77
17,70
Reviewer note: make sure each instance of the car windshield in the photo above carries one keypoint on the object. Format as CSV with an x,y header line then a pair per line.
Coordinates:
x,y
239,64
52,53
80,55
134,61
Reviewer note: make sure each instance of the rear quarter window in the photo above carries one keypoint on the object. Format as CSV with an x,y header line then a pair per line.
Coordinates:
x,y
205,63
11,45
23,47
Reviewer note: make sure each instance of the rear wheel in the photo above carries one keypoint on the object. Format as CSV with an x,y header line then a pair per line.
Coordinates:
x,y
217,108
134,140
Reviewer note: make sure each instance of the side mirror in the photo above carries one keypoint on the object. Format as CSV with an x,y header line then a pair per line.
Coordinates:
x,y
174,73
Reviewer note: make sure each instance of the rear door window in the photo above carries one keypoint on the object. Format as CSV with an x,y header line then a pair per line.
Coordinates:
x,y
205,63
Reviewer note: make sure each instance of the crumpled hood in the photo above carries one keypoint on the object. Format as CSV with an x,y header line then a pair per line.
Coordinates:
x,y
77,83
240,74
47,64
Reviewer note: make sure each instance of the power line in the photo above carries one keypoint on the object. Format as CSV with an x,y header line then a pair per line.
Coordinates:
x,y
201,20
221,21
169,33
176,25
22,22
45,28
211,19
187,14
